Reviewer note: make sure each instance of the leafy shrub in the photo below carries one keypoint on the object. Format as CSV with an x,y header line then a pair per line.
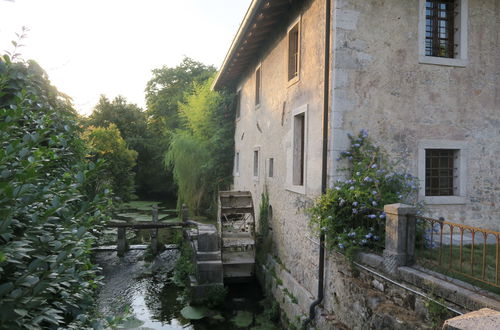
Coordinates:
x,y
46,275
351,212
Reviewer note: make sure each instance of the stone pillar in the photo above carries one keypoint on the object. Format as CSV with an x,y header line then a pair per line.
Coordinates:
x,y
122,241
184,212
400,233
154,231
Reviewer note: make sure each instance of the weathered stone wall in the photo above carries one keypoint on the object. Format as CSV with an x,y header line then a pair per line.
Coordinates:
x,y
378,84
269,128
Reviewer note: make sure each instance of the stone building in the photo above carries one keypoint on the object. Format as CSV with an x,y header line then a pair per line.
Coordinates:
x,y
421,76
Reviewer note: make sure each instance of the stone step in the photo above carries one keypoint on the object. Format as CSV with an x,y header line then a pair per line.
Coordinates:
x,y
208,256
239,271
237,242
238,257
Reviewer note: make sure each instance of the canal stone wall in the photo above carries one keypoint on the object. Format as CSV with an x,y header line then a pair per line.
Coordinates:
x,y
376,291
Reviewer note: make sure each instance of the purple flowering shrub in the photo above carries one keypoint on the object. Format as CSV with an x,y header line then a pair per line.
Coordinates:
x,y
351,213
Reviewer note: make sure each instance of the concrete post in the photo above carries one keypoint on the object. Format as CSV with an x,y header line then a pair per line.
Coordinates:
x,y
184,212
400,230
154,231
122,242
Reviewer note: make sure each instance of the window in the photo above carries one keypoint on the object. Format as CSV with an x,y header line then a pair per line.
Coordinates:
x,y
257,86
256,163
237,164
271,167
296,175
293,52
442,171
443,32
299,126
238,104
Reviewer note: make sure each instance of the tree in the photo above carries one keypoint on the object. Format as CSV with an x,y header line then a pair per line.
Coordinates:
x,y
168,87
201,153
163,93
47,279
108,145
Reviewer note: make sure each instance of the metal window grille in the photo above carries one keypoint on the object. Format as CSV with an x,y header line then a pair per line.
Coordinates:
x,y
440,172
293,52
440,28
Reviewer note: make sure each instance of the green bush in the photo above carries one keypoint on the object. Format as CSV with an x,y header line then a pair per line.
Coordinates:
x,y
46,276
351,212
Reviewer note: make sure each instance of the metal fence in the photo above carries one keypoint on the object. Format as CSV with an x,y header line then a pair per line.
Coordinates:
x,y
450,247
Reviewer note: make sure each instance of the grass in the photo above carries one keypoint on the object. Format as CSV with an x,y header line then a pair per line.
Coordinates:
x,y
446,260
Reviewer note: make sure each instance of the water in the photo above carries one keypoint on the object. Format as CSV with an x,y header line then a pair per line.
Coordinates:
x,y
155,302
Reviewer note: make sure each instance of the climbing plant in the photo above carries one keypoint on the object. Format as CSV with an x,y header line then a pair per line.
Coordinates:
x,y
48,210
351,212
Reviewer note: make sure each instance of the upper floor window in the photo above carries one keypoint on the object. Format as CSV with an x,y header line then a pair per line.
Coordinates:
x,y
238,104
443,32
293,51
440,28
257,86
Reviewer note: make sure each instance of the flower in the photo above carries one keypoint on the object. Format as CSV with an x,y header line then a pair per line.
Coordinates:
x,y
355,211
374,203
376,238
337,188
374,192
372,216
342,202
363,242
356,145
374,166
351,188
355,204
382,216
358,173
341,246
369,235
367,179
352,234
363,133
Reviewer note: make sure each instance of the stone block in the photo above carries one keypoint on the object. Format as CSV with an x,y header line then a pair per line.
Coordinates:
x,y
209,272
208,239
484,319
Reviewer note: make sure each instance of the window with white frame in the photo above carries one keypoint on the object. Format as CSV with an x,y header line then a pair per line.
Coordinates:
x,y
442,171
297,164
443,32
237,163
256,163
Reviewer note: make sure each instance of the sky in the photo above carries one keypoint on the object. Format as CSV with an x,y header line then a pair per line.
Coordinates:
x,y
94,47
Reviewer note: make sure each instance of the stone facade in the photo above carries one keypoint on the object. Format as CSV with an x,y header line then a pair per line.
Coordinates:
x,y
381,82
268,129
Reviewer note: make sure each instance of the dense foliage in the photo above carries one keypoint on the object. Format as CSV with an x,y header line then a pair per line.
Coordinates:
x,y
46,276
351,212
107,144
201,153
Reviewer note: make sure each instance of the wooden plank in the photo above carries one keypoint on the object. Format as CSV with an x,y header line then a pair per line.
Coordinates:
x,y
146,225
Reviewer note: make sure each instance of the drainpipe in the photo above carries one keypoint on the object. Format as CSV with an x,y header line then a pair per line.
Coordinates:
x,y
326,92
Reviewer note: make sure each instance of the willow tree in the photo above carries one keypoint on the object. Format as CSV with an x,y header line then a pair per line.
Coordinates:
x,y
201,152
